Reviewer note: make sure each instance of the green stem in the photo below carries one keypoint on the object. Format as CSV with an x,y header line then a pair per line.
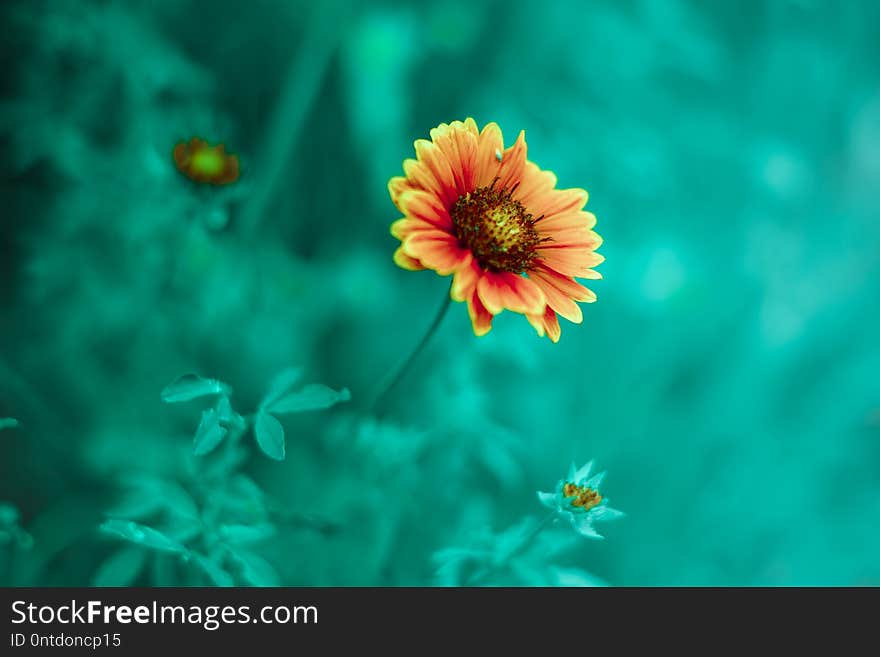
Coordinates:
x,y
324,32
476,577
532,535
398,376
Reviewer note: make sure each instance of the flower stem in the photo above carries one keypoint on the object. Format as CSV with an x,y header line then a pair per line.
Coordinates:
x,y
324,31
397,377
534,533
485,572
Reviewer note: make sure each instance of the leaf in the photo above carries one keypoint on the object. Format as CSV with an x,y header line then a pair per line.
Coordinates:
x,y
191,386
496,456
281,385
137,503
246,533
224,410
141,535
184,531
148,495
270,436
121,568
229,460
311,398
248,492
214,572
255,570
240,501
178,501
8,423
209,433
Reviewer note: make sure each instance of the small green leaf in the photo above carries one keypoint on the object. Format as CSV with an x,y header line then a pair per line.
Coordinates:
x,y
224,410
247,490
227,415
8,423
121,568
214,572
280,386
192,386
242,500
184,530
147,495
270,436
136,503
209,434
178,501
246,533
255,570
311,398
141,535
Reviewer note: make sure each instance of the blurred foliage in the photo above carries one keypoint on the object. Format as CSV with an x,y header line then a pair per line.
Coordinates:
x,y
727,376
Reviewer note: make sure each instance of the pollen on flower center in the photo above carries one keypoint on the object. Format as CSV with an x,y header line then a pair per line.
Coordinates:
x,y
496,228
581,496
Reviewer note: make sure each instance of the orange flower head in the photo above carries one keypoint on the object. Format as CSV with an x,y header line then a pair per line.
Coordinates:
x,y
496,222
199,161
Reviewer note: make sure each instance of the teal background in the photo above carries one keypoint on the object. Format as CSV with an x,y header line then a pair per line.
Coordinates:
x,y
726,378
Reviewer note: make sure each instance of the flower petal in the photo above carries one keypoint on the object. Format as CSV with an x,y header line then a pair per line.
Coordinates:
x,y
566,285
534,183
426,206
558,202
431,156
424,178
606,513
595,481
500,290
481,319
403,228
548,500
459,145
557,299
490,145
465,281
436,250
549,324
572,238
537,322
396,186
583,525
513,162
575,261
582,473
406,262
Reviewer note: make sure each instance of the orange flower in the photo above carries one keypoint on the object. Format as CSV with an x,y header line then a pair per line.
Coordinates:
x,y
206,164
496,222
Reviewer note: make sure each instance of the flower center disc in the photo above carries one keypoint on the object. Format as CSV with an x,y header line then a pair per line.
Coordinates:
x,y
496,228
207,162
581,496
